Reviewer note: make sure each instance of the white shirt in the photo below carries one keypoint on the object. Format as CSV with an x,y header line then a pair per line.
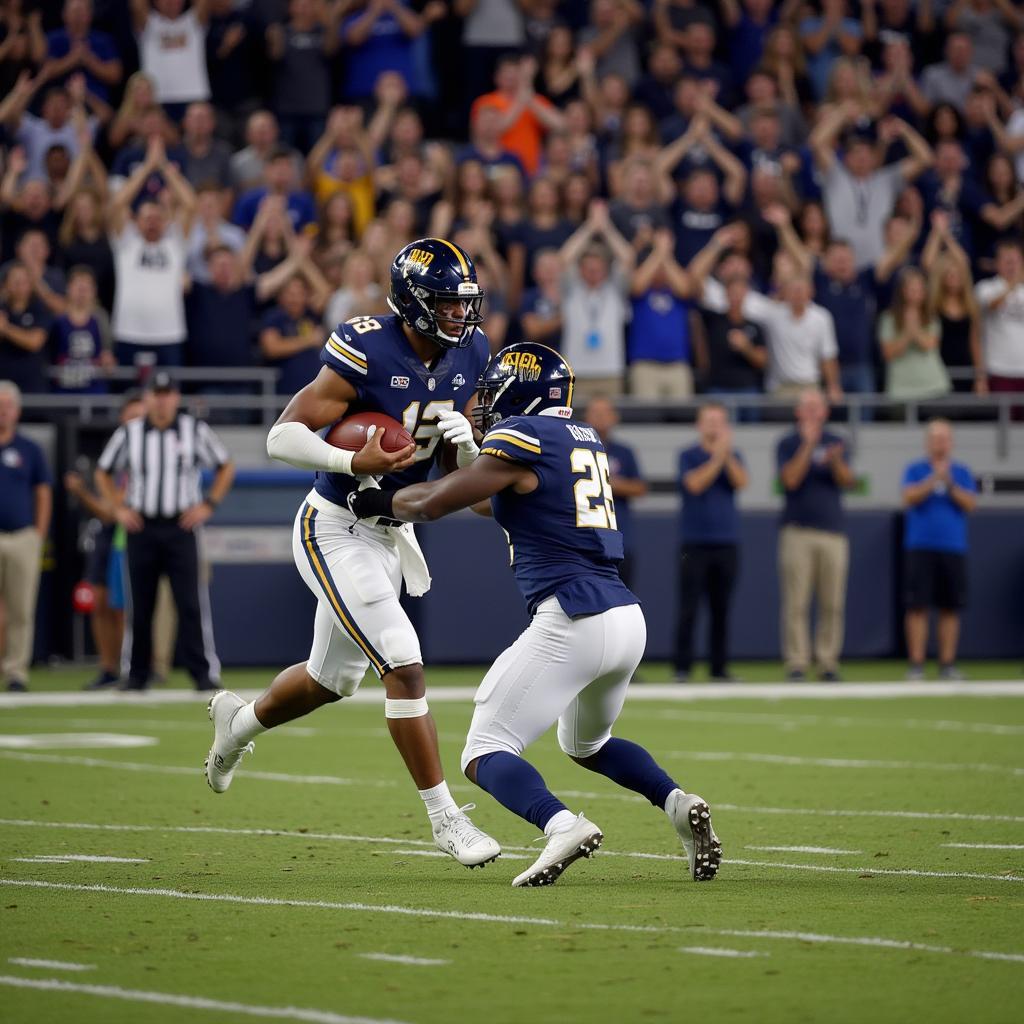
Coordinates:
x,y
594,319
173,52
149,294
1002,329
797,345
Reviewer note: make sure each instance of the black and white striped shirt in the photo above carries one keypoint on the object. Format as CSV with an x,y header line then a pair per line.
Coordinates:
x,y
163,466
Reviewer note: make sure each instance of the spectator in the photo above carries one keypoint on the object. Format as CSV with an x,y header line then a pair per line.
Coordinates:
x,y
1001,299
710,474
595,286
279,178
640,209
541,309
249,165
559,70
543,228
987,24
748,23
610,36
171,447
149,259
762,92
813,470
951,81
335,231
486,129
655,89
209,229
802,349
951,297
22,44
626,480
291,336
153,125
860,195
827,37
909,335
300,51
207,159
492,30
83,242
78,46
360,293
26,209
80,344
785,60
48,282
233,52
659,346
139,98
698,60
938,495
26,501
24,323
172,50
526,117
1002,210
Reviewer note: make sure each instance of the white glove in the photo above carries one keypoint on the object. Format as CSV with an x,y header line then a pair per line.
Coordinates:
x,y
457,430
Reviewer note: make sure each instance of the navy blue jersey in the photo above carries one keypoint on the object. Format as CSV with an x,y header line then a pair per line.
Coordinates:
x,y
375,357
563,536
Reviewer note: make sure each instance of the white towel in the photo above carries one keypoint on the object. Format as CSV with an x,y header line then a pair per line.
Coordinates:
x,y
414,565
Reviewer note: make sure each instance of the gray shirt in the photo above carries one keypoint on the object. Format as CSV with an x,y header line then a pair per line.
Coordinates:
x,y
857,208
941,84
594,319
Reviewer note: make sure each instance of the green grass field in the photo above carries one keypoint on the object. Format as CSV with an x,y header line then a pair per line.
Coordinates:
x,y
310,890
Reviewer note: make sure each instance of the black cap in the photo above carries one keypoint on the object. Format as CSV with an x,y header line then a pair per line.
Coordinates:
x,y
161,381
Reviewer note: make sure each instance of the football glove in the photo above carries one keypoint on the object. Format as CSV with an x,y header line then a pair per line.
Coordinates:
x,y
457,430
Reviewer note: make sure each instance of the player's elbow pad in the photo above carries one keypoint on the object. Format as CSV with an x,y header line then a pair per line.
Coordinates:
x,y
297,445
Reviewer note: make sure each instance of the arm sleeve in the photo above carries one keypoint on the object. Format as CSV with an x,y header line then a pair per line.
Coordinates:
x,y
40,470
115,454
964,478
828,348
713,296
212,452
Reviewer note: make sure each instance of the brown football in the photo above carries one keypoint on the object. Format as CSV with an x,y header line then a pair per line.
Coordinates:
x,y
350,433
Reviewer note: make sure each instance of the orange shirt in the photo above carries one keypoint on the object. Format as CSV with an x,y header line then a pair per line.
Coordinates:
x,y
525,136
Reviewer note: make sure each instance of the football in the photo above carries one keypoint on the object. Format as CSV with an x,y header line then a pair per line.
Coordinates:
x,y
350,433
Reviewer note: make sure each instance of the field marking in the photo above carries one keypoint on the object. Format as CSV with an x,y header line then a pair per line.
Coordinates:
x,y
67,858
200,725
909,872
792,721
985,846
744,954
441,853
52,965
73,741
876,942
801,849
134,995
415,961
842,762
672,692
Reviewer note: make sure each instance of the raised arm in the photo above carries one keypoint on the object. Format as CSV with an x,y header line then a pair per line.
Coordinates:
x,y
574,245
826,132
778,216
921,155
735,185
183,193
120,205
140,15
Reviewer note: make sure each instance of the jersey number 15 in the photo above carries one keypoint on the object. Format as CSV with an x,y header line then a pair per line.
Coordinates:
x,y
595,507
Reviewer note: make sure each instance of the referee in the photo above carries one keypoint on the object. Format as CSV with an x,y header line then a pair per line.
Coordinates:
x,y
160,455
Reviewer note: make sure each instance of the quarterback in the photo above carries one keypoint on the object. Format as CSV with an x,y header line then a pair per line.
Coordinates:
x,y
547,478
416,366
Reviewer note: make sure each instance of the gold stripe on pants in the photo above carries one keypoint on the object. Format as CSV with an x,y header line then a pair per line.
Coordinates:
x,y
812,563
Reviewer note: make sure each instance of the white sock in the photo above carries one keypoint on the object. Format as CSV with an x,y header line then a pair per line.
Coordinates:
x,y
244,724
561,822
438,800
670,800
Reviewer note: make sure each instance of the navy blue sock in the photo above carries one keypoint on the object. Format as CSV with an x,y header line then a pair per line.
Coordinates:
x,y
517,785
630,766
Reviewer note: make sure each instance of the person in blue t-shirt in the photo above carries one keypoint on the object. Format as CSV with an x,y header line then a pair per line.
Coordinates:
x,y
814,470
938,495
291,337
26,500
710,474
279,175
625,478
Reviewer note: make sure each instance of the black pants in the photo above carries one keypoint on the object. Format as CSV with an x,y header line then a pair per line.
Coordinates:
x,y
711,570
163,548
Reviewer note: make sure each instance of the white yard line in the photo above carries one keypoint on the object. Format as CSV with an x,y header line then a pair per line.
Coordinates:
x,y
739,954
67,858
672,692
415,961
801,849
871,870
134,995
440,853
843,762
985,846
50,965
876,942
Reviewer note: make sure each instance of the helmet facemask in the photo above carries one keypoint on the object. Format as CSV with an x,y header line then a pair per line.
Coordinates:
x,y
423,318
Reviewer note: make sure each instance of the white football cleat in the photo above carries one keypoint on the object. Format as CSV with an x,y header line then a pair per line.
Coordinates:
x,y
460,838
692,819
226,752
561,850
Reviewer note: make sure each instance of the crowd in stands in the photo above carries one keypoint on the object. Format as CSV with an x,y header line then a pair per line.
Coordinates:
x,y
729,196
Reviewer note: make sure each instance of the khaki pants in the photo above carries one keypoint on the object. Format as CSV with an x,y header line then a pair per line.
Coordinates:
x,y
660,381
812,561
792,390
20,565
590,387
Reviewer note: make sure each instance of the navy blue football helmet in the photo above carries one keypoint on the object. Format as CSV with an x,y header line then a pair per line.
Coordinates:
x,y
431,271
522,380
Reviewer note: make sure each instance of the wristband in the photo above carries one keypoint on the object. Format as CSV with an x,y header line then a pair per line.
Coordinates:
x,y
465,453
372,502
341,461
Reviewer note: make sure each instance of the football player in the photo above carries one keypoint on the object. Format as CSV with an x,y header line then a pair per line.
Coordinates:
x,y
417,366
547,478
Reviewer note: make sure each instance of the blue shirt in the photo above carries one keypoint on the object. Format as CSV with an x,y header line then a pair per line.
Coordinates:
x,y
563,536
300,208
375,357
22,469
299,369
387,48
853,309
75,349
709,517
58,45
220,325
660,328
622,462
815,503
937,523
